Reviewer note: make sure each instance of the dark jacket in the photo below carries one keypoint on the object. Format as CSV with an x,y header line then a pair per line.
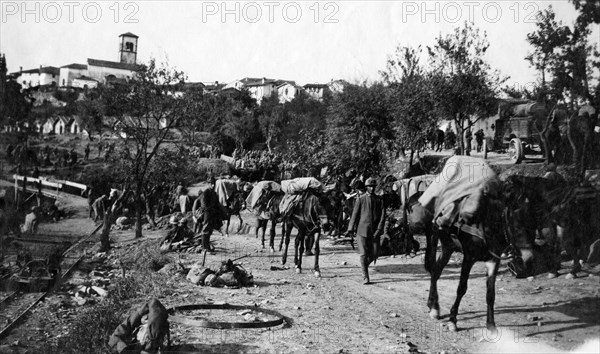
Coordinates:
x,y
368,216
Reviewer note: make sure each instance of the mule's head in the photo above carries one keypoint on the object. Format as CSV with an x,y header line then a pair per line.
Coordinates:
x,y
419,218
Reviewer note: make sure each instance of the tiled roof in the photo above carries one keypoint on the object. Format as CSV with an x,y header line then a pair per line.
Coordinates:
x,y
129,34
75,66
315,86
45,70
112,64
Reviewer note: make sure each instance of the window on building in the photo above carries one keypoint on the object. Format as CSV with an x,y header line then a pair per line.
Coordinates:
x,y
63,82
129,46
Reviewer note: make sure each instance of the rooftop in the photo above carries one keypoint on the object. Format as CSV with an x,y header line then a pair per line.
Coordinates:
x,y
112,64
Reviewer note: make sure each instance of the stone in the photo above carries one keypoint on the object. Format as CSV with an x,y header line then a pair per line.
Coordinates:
x,y
198,274
250,318
393,314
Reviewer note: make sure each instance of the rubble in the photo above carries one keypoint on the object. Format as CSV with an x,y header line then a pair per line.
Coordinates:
x,y
228,275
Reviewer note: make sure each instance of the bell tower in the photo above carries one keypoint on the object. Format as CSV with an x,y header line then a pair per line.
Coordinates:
x,y
128,48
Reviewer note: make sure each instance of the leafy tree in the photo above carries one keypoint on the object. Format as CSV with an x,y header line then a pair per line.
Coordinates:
x,y
359,129
241,125
566,55
15,104
271,118
463,82
142,113
410,98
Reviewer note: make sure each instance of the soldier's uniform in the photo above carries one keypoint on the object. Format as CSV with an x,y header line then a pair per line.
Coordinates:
x,y
367,222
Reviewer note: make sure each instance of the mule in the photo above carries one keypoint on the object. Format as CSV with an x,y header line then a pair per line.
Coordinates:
x,y
483,241
235,204
308,216
568,211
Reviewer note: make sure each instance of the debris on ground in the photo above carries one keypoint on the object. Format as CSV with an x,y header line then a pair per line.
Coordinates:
x,y
229,274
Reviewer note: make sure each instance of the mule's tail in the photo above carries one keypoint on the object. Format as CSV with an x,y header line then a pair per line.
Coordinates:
x,y
430,249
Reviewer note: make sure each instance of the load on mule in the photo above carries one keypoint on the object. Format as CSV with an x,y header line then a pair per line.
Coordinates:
x,y
304,207
231,199
462,209
263,201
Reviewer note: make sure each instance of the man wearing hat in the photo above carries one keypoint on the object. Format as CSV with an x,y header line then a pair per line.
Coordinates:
x,y
207,213
367,222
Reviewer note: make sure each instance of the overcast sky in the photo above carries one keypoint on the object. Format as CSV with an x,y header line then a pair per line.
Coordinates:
x,y
306,41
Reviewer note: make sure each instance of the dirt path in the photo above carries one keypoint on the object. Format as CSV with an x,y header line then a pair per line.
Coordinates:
x,y
336,313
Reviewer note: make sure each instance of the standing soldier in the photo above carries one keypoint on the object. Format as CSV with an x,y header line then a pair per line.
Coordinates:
x,y
479,135
87,152
468,138
207,214
367,222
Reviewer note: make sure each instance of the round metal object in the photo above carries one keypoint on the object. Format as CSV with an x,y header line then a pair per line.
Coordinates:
x,y
515,150
223,325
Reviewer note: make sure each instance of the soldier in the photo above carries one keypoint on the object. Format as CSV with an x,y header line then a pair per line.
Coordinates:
x,y
367,222
479,135
207,214
87,152
468,138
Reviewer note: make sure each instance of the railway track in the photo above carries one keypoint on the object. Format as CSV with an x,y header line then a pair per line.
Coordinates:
x,y
16,305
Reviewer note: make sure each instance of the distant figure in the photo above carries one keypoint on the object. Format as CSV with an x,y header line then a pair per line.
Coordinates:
x,y
468,138
31,222
87,152
479,135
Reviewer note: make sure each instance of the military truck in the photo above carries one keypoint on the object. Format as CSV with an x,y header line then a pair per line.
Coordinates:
x,y
519,126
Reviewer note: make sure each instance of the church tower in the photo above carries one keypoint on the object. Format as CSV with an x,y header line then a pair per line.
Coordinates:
x,y
128,48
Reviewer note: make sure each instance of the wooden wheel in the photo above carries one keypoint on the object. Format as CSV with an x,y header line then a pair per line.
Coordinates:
x,y
515,150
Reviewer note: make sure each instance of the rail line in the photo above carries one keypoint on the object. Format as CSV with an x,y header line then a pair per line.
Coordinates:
x,y
16,305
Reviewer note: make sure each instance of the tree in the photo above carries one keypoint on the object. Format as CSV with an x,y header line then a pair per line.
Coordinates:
x,y
359,129
142,112
271,118
564,56
410,98
15,104
463,82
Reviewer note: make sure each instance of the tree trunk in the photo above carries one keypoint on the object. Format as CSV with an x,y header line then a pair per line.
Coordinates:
x,y
138,217
460,132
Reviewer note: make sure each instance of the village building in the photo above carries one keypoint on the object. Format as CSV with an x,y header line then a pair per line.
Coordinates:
x,y
42,76
70,72
316,91
287,91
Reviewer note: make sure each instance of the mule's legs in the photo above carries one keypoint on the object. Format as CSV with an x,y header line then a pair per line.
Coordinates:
x,y
309,241
571,242
465,270
262,225
284,228
492,270
227,226
436,272
241,223
288,231
317,252
299,249
272,236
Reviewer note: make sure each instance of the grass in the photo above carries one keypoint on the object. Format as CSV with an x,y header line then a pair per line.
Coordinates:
x,y
90,330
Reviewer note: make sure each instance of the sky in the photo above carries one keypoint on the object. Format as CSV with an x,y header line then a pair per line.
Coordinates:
x,y
305,41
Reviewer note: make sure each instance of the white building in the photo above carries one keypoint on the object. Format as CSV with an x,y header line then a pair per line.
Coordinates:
x,y
84,82
287,91
316,91
70,72
43,76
